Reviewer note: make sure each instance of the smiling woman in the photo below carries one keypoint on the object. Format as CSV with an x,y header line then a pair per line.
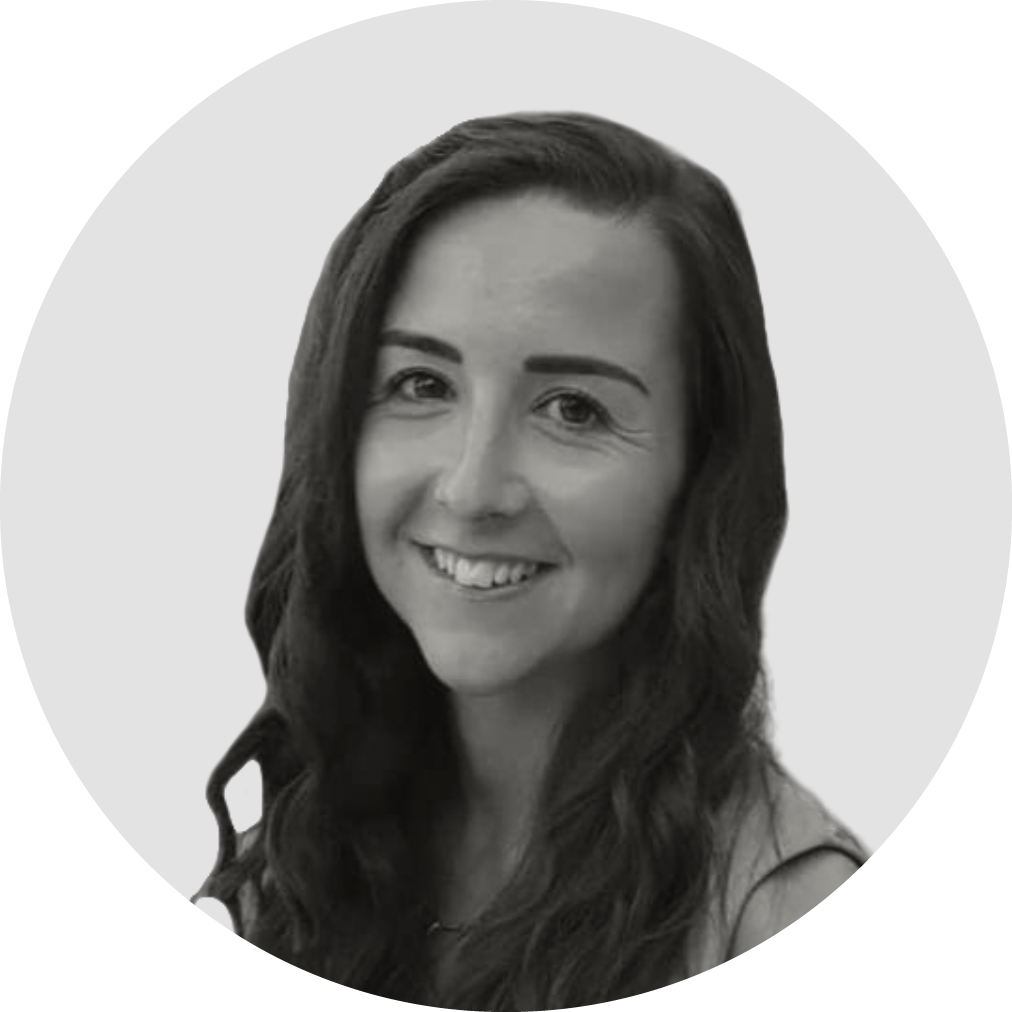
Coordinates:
x,y
509,603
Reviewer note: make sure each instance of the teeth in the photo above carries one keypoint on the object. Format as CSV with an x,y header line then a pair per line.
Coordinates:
x,y
481,573
474,574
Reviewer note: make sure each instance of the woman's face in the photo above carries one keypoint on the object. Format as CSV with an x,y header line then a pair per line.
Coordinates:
x,y
525,438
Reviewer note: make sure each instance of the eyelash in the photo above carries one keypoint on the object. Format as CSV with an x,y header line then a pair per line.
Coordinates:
x,y
600,418
394,387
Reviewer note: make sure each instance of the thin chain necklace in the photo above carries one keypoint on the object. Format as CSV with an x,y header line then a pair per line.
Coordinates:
x,y
438,927
460,928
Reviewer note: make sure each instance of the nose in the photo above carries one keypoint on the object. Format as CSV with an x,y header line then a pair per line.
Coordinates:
x,y
481,480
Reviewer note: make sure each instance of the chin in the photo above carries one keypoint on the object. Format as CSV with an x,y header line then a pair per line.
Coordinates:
x,y
474,668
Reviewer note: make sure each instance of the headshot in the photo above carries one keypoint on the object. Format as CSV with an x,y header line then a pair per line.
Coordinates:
x,y
609,568
514,744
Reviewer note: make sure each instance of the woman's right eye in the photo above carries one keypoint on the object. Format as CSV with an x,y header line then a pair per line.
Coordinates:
x,y
417,386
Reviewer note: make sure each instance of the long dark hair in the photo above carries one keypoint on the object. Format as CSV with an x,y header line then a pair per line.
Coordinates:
x,y
353,739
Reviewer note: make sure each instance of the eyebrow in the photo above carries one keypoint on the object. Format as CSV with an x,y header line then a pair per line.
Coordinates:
x,y
421,342
579,365
550,365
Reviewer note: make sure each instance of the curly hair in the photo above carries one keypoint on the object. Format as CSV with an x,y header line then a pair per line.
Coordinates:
x,y
354,740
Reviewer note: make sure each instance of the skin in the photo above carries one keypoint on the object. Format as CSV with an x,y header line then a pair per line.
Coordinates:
x,y
485,436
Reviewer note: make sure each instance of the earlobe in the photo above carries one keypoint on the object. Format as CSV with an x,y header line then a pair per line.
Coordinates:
x,y
788,893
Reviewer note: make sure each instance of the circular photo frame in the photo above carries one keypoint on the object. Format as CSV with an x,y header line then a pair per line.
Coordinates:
x,y
153,389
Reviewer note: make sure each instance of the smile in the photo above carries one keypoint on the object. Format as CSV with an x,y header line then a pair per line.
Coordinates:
x,y
481,573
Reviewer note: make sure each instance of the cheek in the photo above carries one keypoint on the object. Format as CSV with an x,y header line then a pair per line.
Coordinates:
x,y
614,515
612,523
388,479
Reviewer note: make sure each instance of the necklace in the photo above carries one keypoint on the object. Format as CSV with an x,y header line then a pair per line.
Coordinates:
x,y
461,928
437,927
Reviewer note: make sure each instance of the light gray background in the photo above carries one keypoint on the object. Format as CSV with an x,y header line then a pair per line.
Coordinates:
x,y
144,438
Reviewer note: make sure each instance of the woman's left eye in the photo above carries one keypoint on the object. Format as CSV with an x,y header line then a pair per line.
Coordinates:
x,y
575,411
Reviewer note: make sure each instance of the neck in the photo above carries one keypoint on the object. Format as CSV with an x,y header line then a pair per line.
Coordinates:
x,y
505,747
505,742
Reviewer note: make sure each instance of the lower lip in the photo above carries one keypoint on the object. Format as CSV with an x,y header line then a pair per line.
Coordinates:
x,y
481,593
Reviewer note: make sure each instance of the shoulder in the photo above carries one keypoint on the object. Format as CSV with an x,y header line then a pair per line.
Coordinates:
x,y
778,853
789,892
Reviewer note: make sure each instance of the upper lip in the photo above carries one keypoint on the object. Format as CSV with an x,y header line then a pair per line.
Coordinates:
x,y
493,554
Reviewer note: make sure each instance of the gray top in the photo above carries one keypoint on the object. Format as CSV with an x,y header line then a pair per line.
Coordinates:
x,y
758,841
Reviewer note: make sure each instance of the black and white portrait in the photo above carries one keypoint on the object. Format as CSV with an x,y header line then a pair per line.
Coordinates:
x,y
505,526
509,604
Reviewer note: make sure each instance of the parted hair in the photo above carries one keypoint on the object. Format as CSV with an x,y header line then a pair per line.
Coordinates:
x,y
353,739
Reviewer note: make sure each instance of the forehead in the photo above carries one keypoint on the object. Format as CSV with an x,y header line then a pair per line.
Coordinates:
x,y
534,269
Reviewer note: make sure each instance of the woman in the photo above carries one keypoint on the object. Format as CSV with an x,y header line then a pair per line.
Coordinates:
x,y
509,602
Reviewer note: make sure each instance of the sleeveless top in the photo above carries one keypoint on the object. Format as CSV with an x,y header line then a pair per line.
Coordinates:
x,y
755,842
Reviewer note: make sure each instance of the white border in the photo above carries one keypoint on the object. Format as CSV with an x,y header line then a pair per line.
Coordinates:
x,y
87,87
